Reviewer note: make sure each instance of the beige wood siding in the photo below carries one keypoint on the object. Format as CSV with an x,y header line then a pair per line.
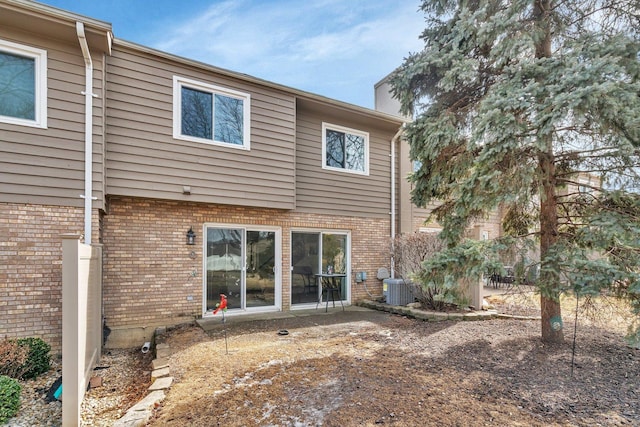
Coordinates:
x,y
341,193
46,166
144,160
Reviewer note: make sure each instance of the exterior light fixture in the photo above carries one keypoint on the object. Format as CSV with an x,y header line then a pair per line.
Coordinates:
x,y
191,237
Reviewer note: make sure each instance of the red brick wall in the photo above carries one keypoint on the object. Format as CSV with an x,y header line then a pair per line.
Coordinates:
x,y
148,273
30,269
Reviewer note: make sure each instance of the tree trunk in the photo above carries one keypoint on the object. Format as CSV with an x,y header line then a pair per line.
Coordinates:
x,y
550,296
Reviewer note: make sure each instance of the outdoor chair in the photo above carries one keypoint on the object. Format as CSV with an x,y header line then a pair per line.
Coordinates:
x,y
306,272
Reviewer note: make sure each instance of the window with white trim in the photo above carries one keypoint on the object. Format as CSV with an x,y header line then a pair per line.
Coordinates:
x,y
23,85
211,114
585,185
345,149
429,230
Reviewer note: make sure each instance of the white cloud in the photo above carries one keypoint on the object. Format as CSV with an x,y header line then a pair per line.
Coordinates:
x,y
332,47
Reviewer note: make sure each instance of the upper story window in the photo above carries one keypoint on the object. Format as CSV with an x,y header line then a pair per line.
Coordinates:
x,y
210,114
345,149
23,85
587,184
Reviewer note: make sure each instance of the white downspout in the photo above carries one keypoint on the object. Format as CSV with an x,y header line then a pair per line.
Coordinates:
x,y
88,132
394,141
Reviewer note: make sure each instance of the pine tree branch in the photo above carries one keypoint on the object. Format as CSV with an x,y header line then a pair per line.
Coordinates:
x,y
583,153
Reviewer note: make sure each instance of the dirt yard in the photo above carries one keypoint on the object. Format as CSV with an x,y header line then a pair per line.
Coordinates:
x,y
373,368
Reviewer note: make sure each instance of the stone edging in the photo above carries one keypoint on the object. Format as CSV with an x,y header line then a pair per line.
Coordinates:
x,y
140,413
514,317
430,316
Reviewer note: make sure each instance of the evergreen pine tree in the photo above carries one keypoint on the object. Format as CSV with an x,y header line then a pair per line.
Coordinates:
x,y
513,102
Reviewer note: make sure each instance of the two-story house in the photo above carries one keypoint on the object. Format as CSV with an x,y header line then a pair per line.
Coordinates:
x,y
197,181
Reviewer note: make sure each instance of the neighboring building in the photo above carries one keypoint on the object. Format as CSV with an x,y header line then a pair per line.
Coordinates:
x,y
411,217
134,148
582,183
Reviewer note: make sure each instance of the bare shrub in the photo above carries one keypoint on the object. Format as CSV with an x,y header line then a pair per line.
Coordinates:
x,y
13,358
409,251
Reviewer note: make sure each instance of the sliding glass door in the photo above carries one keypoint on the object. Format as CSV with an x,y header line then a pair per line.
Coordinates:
x,y
314,253
241,264
305,263
334,259
260,288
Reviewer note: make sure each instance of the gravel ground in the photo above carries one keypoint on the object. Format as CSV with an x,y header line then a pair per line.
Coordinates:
x,y
126,375
125,379
34,408
385,370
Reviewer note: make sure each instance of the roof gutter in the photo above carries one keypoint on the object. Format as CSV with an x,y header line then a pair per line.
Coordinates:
x,y
389,118
56,14
88,132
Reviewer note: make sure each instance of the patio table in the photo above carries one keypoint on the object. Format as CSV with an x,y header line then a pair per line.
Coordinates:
x,y
331,283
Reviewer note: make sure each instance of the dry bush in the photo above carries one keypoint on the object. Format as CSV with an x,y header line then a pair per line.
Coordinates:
x,y
13,358
409,251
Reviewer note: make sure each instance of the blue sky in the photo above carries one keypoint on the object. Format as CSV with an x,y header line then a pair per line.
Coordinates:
x,y
335,48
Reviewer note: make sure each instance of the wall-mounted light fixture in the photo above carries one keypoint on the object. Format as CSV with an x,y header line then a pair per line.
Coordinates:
x,y
191,237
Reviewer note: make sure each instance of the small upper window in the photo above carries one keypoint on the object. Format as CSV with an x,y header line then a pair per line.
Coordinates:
x,y
23,85
207,113
586,185
345,149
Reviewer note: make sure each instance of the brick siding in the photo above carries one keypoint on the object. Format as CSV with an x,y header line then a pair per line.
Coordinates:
x,y
149,274
30,269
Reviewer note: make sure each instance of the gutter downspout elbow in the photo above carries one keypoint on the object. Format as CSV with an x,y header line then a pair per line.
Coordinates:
x,y
88,132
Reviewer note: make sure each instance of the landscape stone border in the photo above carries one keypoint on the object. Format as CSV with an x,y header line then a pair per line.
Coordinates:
x,y
412,311
140,413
